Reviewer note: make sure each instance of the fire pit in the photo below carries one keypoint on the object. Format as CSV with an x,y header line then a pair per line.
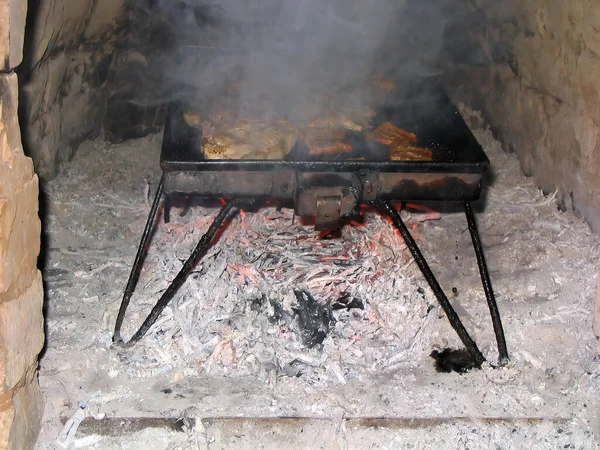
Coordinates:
x,y
331,191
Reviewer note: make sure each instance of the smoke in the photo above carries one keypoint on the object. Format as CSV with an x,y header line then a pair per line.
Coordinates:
x,y
287,56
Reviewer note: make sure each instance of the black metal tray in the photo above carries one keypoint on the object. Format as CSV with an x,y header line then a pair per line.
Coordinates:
x,y
425,110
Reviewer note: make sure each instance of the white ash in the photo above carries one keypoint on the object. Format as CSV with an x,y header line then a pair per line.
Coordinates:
x,y
223,318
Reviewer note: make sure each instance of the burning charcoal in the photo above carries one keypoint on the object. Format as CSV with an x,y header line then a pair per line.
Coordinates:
x,y
348,302
330,234
451,360
313,318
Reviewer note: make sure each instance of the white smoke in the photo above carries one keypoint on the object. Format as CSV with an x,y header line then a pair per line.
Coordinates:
x,y
289,53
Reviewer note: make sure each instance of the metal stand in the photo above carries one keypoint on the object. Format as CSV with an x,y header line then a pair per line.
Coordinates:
x,y
384,206
387,209
487,286
188,266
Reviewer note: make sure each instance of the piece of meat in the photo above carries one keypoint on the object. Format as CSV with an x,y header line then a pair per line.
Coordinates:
x,y
337,121
387,132
312,134
403,144
325,141
329,148
409,152
249,139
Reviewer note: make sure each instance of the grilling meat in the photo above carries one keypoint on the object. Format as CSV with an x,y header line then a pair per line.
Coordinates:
x,y
337,121
402,144
248,139
387,133
325,141
409,152
329,148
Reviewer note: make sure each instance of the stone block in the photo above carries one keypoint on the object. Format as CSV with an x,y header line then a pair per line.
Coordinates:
x,y
31,92
21,413
588,89
60,108
12,33
525,22
10,134
19,223
104,15
54,80
21,334
590,29
548,65
56,26
19,235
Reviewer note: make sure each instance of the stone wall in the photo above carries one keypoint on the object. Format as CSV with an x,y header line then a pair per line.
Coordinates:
x,y
69,49
21,292
541,92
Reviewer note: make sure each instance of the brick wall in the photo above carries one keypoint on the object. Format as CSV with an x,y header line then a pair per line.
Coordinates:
x,y
21,292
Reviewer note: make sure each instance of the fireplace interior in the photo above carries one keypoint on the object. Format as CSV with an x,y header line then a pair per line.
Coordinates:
x,y
435,288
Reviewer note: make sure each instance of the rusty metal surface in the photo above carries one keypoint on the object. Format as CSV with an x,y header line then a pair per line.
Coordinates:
x,y
329,212
287,184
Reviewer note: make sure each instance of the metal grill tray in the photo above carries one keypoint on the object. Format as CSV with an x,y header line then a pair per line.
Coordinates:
x,y
454,173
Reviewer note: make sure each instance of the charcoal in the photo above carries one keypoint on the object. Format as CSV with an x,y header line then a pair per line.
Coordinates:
x,y
313,318
300,367
453,360
348,302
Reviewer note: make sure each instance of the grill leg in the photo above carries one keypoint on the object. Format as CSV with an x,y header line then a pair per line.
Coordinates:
x,y
142,251
487,286
200,250
167,209
386,208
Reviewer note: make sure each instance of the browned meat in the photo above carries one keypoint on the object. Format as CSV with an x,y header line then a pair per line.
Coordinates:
x,y
329,148
403,144
337,121
313,134
325,141
387,133
409,152
249,139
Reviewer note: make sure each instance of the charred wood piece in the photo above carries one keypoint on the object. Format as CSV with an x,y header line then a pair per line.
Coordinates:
x,y
313,318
